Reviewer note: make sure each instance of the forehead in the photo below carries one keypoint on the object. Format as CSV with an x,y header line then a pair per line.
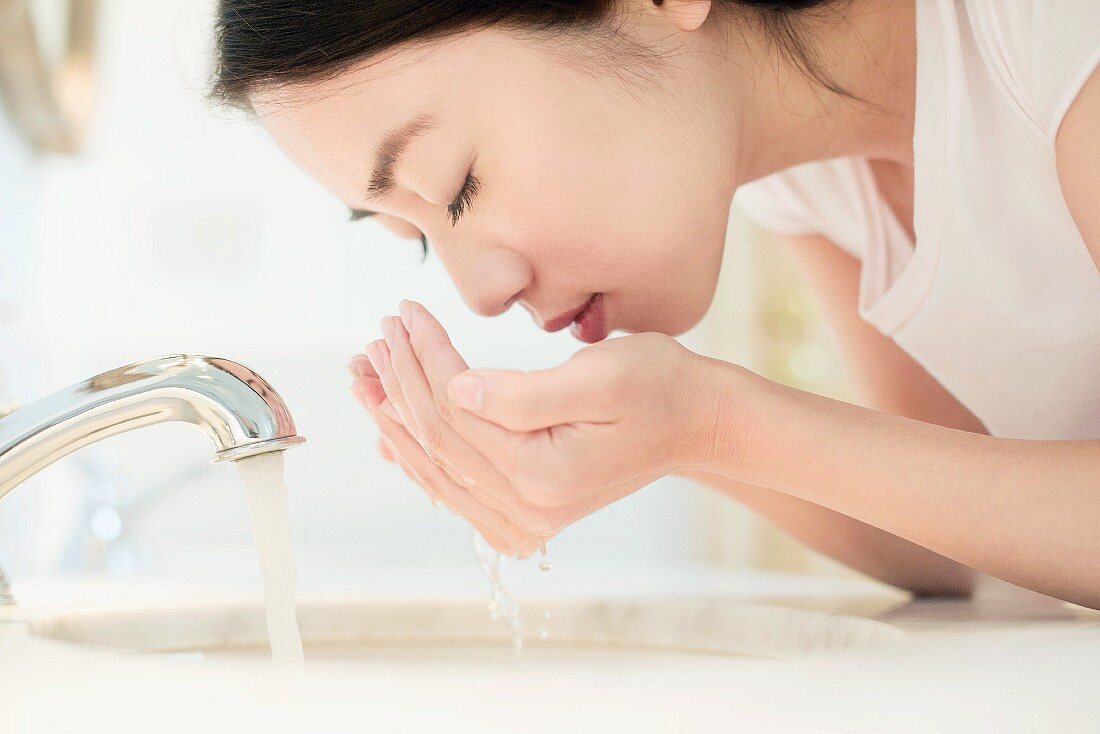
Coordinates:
x,y
329,125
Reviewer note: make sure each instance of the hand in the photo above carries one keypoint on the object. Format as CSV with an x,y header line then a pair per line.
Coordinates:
x,y
395,444
546,447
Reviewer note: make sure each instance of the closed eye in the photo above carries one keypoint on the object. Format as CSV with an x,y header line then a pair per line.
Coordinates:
x,y
357,214
469,190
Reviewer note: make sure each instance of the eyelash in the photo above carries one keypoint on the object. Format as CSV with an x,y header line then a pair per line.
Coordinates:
x,y
469,190
456,208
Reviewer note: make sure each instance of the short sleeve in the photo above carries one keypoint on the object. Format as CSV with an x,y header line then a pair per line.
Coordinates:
x,y
823,197
774,206
1045,51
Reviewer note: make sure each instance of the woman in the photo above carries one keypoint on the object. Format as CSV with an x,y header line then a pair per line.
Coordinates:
x,y
934,165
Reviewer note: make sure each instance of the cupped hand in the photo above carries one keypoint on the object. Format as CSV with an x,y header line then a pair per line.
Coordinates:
x,y
543,448
397,445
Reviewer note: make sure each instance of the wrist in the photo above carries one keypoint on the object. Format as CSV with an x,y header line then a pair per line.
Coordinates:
x,y
728,431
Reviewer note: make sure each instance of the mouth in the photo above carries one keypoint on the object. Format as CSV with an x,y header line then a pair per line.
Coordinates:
x,y
566,318
587,321
590,323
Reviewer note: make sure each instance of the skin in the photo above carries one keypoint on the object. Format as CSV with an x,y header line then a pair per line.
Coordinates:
x,y
590,184
571,167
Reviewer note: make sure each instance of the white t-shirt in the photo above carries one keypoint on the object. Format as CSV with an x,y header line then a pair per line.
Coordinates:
x,y
998,298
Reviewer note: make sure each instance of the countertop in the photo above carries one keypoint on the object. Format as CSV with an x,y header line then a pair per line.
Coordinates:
x,y
1006,660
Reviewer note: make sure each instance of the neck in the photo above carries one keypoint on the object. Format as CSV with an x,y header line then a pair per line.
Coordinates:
x,y
785,118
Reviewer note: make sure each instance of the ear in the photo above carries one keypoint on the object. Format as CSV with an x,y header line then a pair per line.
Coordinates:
x,y
687,15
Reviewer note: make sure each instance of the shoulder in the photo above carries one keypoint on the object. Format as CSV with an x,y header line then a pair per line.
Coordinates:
x,y
1040,51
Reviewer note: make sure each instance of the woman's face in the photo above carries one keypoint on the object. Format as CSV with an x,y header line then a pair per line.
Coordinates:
x,y
587,183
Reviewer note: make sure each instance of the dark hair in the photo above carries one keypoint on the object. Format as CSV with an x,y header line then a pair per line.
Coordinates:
x,y
274,43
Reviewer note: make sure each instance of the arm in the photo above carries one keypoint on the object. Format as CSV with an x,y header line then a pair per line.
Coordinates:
x,y
1025,511
1077,152
891,381
856,544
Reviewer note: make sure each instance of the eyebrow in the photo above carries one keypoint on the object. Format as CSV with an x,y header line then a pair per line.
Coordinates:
x,y
388,154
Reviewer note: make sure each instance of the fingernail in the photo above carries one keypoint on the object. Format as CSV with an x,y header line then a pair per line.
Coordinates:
x,y
469,392
406,314
387,329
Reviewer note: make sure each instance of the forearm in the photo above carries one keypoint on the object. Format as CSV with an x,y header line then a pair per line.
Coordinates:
x,y
1025,511
856,544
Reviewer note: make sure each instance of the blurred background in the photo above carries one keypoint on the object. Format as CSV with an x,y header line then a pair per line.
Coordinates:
x,y
135,221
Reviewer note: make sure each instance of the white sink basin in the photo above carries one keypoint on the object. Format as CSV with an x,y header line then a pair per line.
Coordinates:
x,y
679,664
460,631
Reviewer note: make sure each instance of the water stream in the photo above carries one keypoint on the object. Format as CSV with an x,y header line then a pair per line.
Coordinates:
x,y
502,604
266,493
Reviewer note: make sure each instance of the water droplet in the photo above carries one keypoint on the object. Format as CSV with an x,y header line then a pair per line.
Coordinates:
x,y
544,565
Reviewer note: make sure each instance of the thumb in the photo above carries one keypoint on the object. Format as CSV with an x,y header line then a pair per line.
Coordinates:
x,y
528,401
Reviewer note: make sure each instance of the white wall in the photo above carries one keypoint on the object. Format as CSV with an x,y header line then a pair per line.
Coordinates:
x,y
180,230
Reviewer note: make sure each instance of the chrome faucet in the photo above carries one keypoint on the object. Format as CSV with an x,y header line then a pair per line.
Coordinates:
x,y
238,410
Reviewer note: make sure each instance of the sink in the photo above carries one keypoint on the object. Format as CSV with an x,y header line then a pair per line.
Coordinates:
x,y
406,662
459,631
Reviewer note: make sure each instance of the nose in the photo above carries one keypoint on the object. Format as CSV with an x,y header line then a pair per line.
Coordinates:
x,y
492,281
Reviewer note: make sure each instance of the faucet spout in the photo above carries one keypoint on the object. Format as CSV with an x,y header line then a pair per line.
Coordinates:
x,y
238,410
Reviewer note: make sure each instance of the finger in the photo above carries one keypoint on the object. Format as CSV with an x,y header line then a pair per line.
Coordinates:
x,y
434,350
411,474
576,392
405,458
385,451
360,366
367,395
434,435
437,438
441,488
530,545
549,469
439,361
495,537
375,394
440,440
379,355
492,487
360,396
414,385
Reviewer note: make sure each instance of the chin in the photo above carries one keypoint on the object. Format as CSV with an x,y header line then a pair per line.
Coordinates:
x,y
671,323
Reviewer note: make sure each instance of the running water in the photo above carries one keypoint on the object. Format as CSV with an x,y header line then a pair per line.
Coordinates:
x,y
502,605
544,562
266,493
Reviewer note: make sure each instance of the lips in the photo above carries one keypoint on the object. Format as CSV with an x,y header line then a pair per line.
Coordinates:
x,y
591,323
563,320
